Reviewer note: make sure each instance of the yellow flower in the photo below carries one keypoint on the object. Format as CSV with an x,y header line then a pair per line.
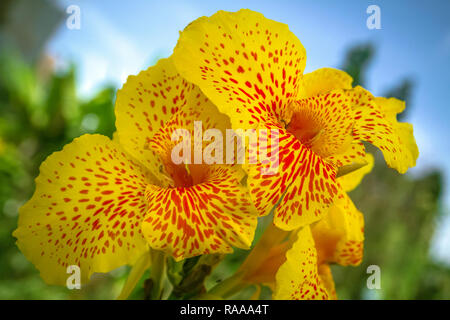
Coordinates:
x,y
295,264
100,203
251,68
337,238
298,268
301,277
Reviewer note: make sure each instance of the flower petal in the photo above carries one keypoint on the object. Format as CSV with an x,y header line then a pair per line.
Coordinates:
x,y
145,103
210,217
266,272
204,113
327,280
353,157
351,180
302,187
376,123
391,107
249,66
339,236
86,211
323,122
298,278
324,80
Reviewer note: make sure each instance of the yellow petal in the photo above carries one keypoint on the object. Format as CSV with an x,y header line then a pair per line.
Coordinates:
x,y
146,103
351,180
209,217
201,113
205,209
265,273
249,66
349,159
298,278
86,211
323,81
302,187
376,123
323,123
339,236
391,107
327,280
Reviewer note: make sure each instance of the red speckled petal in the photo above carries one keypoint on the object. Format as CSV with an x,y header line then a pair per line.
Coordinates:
x,y
199,109
323,122
340,235
298,278
327,279
210,217
303,186
144,105
86,211
249,66
375,122
353,156
351,180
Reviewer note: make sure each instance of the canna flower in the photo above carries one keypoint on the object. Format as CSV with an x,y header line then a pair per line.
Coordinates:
x,y
298,263
251,68
101,203
303,276
337,238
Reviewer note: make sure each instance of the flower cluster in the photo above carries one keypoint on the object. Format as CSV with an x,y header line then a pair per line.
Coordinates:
x,y
102,203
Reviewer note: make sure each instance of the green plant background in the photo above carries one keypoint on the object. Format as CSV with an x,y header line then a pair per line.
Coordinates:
x,y
40,111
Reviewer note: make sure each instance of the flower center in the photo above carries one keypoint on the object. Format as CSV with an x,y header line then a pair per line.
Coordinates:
x,y
324,127
306,128
186,175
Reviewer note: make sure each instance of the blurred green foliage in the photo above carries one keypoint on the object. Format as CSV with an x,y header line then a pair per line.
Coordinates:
x,y
357,61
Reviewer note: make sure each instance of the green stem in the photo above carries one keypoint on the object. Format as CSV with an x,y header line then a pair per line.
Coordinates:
x,y
157,272
229,286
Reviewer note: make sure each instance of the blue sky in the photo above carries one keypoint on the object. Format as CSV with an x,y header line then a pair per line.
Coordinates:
x,y
116,40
